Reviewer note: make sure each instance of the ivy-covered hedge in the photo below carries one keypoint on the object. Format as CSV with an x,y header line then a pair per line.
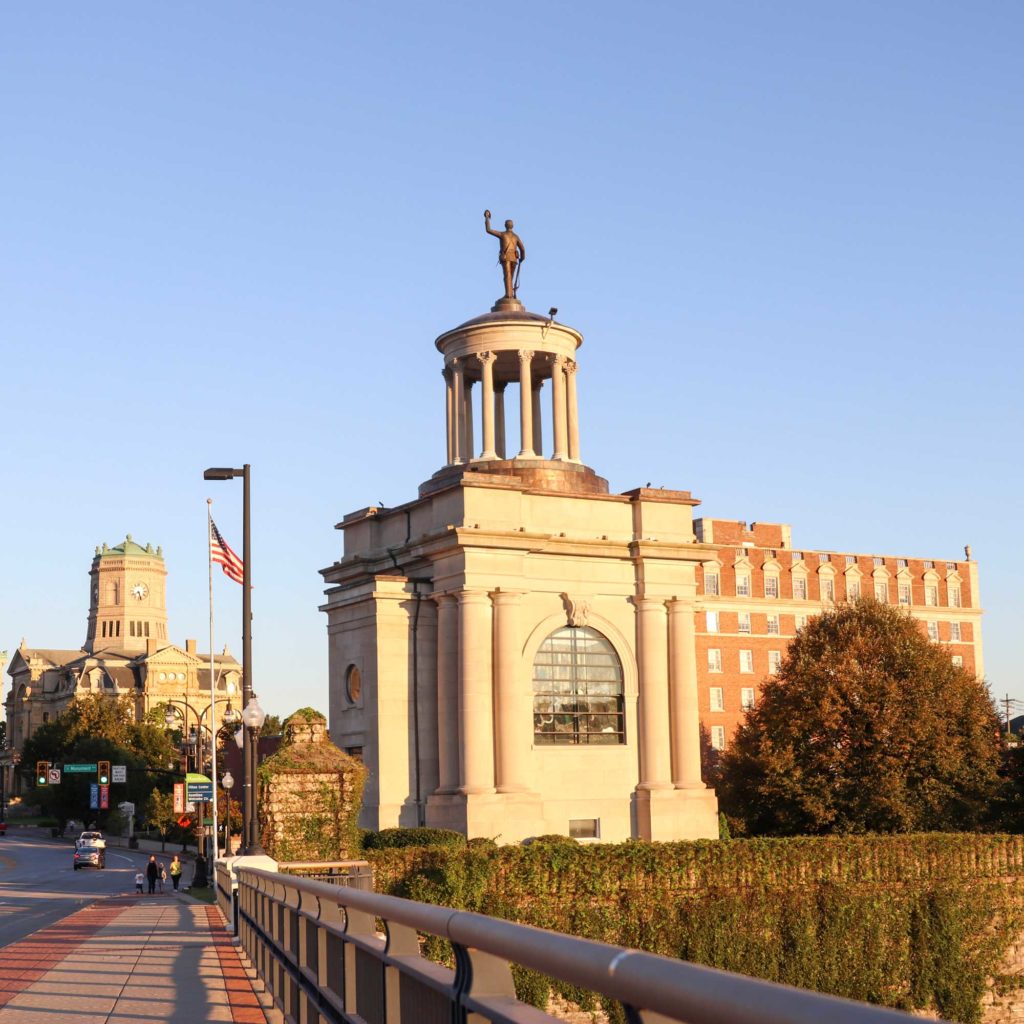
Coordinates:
x,y
405,838
914,921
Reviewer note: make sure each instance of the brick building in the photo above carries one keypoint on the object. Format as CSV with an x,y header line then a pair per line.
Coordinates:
x,y
759,590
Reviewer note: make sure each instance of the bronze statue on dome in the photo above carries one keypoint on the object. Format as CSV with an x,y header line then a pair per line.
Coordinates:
x,y
511,253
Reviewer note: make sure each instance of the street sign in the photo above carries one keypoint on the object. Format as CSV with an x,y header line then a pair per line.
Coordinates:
x,y
197,791
104,797
80,769
53,776
118,773
94,796
179,797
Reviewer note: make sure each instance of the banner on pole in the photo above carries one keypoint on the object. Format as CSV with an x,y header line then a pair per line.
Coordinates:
x,y
94,796
104,797
179,797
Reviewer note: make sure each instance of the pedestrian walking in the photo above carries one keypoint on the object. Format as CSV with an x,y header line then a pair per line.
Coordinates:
x,y
176,871
152,873
140,879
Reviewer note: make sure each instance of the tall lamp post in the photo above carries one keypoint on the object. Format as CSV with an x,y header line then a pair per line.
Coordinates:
x,y
250,839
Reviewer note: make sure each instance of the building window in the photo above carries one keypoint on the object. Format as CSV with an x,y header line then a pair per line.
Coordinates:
x,y
355,752
118,627
747,697
901,563
353,684
933,631
773,625
746,662
717,698
714,659
904,592
712,621
824,556
798,556
954,597
929,565
882,592
851,559
877,561
801,621
931,595
958,660
800,588
46,717
145,627
954,632
774,662
951,566
718,737
828,590
104,629
771,586
584,828
711,583
853,590
577,689
743,584
743,622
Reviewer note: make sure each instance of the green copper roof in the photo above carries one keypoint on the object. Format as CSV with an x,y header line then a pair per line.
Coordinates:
x,y
129,547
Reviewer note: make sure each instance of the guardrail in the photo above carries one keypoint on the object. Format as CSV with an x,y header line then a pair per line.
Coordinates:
x,y
357,874
320,954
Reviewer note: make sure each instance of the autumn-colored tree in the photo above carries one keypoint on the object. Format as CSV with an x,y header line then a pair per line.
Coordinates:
x,y
868,727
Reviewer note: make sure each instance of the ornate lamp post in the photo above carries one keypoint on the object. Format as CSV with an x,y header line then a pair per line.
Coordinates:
x,y
227,781
253,717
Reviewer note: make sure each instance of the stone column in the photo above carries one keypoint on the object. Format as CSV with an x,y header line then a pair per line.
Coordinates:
x,y
499,419
449,415
526,405
572,411
685,718
558,407
513,718
538,435
476,710
458,414
652,648
487,403
447,693
468,406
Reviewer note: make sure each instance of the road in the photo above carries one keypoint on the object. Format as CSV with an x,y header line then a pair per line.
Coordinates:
x,y
39,886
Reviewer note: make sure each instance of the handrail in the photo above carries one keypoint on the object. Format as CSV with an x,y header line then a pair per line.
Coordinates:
x,y
643,982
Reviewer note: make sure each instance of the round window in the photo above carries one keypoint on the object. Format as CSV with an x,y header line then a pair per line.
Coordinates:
x,y
353,684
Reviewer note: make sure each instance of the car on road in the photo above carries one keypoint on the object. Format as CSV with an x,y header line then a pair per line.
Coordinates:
x,y
90,857
91,839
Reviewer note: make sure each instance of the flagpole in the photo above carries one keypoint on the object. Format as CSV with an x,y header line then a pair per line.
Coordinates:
x,y
213,686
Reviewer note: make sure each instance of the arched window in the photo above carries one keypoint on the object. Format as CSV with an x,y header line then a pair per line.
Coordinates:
x,y
577,689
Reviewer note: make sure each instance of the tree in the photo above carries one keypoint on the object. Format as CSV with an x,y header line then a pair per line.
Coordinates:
x,y
868,727
160,811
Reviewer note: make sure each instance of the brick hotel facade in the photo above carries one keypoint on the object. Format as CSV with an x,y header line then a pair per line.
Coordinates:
x,y
758,591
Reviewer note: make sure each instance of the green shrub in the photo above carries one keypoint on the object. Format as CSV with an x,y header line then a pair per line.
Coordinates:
x,y
396,838
551,839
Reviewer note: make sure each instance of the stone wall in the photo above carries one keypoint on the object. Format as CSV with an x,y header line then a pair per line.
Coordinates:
x,y
310,795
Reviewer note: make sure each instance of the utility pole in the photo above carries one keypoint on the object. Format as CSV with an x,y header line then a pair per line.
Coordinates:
x,y
1006,704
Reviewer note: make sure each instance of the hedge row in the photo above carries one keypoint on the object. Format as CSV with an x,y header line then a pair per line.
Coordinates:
x,y
915,922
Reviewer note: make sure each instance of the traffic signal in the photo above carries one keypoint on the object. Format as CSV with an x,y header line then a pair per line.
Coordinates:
x,y
103,772
42,767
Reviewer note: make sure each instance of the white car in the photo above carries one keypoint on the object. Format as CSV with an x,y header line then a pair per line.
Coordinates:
x,y
91,839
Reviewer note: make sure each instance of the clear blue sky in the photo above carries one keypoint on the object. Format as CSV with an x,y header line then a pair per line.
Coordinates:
x,y
790,233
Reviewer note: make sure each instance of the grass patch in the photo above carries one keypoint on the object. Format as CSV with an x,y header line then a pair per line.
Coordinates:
x,y
207,894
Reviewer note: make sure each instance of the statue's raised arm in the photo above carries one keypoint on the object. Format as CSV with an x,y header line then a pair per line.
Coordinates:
x,y
487,225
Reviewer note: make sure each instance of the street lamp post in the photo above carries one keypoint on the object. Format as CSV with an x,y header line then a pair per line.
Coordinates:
x,y
250,838
227,781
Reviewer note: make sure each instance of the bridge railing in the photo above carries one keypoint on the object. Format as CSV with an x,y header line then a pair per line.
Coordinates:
x,y
339,955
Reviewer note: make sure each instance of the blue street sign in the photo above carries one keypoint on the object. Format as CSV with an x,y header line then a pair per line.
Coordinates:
x,y
196,792
94,796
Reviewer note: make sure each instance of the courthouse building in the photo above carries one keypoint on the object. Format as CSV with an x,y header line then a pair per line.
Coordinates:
x,y
126,653
517,651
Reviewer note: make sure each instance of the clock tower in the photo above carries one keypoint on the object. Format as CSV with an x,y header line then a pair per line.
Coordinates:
x,y
127,599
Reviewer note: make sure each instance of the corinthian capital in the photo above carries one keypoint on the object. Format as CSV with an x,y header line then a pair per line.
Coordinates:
x,y
486,358
526,355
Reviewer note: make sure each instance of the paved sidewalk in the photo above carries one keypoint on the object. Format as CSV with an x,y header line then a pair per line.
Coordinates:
x,y
128,960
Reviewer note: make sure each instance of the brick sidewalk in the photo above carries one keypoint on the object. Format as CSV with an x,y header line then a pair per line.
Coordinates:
x,y
128,959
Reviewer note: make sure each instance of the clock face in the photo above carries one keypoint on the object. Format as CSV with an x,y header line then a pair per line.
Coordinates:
x,y
139,591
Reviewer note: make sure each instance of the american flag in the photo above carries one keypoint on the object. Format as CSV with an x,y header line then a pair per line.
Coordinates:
x,y
223,555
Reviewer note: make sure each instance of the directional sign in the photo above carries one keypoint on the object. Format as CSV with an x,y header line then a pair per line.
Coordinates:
x,y
53,776
197,791
118,773
94,796
80,769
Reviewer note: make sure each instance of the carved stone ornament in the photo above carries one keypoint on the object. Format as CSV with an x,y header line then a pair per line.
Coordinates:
x,y
577,610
